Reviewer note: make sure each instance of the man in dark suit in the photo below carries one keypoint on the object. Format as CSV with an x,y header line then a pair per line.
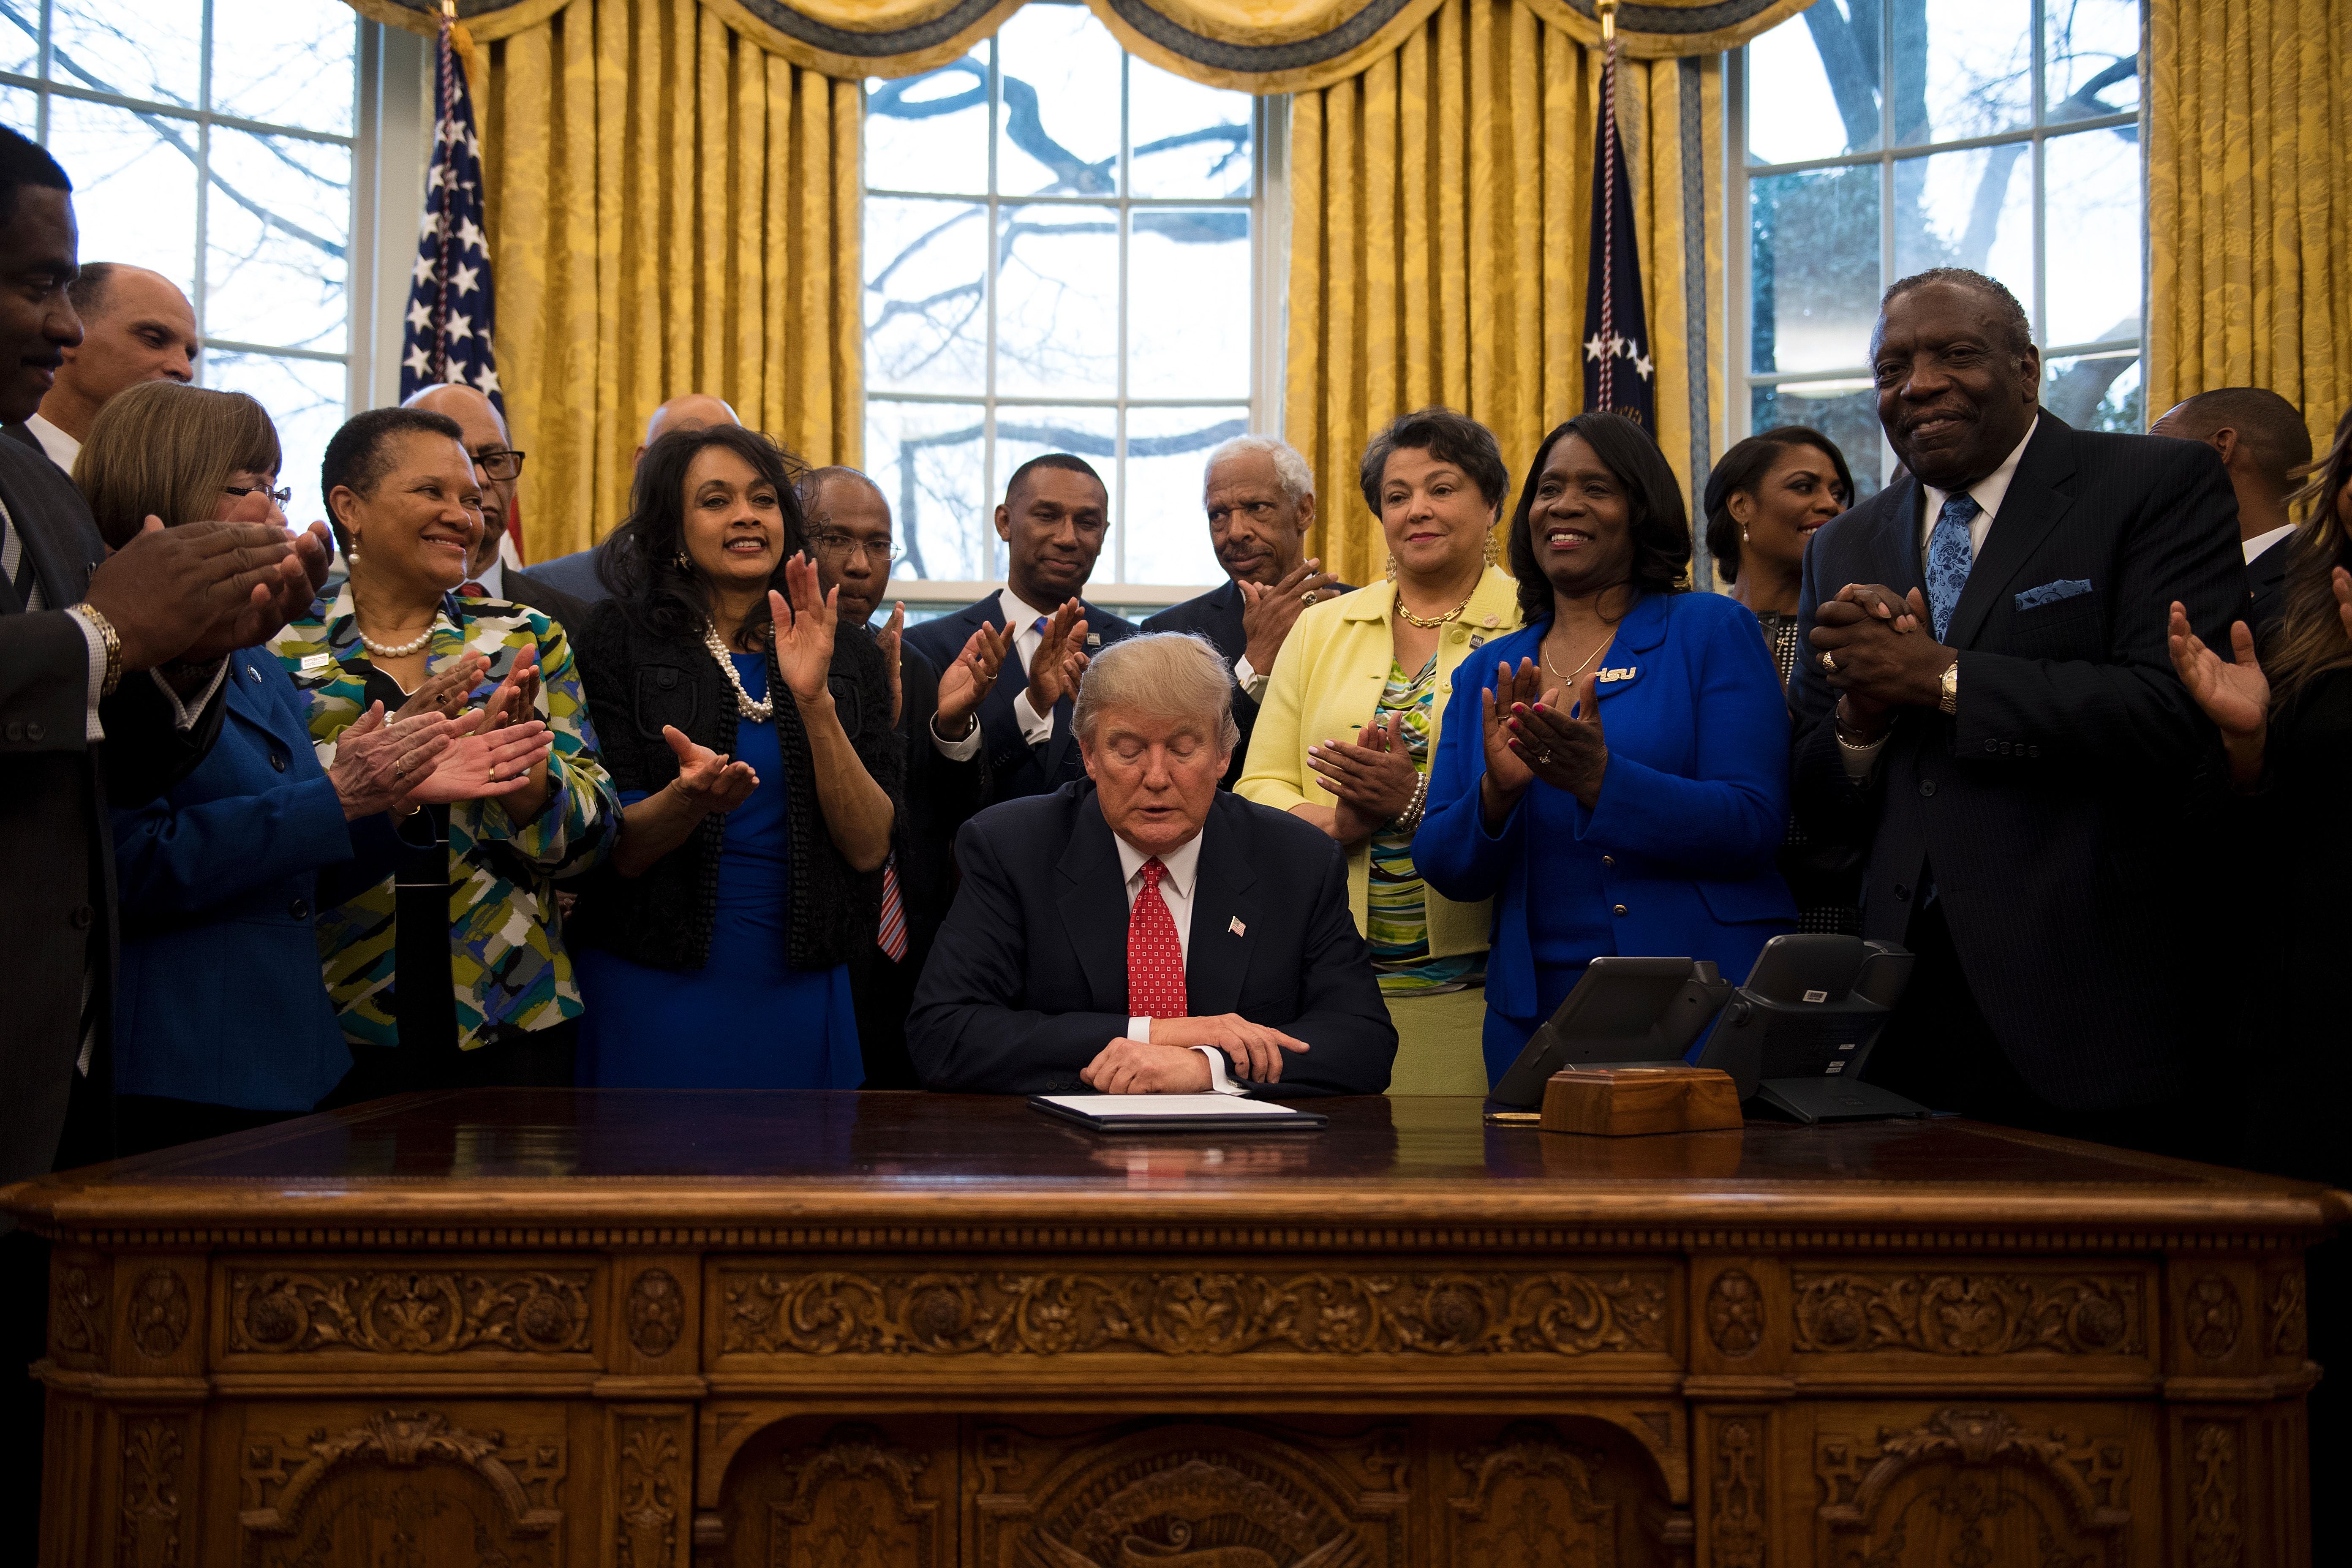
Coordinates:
x,y
1989,707
848,528
498,469
2262,440
82,721
1053,519
1142,932
1260,497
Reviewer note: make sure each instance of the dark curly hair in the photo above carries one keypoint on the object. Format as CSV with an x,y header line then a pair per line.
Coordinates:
x,y
1654,514
1445,436
1743,469
642,564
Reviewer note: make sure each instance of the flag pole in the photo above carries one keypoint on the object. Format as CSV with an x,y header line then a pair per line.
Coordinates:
x,y
1607,10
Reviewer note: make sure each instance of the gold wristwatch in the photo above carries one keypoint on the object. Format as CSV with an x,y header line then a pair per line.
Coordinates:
x,y
1948,686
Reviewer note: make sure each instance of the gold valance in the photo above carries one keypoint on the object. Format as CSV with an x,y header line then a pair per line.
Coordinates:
x,y
1256,45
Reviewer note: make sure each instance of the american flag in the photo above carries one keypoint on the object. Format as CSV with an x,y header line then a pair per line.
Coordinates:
x,y
449,304
1619,373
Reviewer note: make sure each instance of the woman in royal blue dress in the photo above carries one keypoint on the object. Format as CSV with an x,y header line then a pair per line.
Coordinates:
x,y
751,737
1615,777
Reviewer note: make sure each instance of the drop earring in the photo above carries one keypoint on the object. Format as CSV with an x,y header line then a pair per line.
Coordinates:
x,y
1743,536
1392,566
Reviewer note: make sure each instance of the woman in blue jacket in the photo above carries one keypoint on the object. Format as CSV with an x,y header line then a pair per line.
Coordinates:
x,y
1616,776
222,1020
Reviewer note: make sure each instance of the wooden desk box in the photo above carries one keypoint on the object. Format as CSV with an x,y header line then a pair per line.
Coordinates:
x,y
620,1329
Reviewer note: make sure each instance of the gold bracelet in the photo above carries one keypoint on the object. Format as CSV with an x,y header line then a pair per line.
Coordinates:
x,y
112,641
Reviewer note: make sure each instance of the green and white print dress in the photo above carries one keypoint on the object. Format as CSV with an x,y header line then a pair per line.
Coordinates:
x,y
1396,906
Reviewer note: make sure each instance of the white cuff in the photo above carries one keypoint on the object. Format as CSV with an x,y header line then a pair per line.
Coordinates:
x,y
1861,762
1139,1030
91,730
185,714
961,750
1220,1080
1033,729
1247,676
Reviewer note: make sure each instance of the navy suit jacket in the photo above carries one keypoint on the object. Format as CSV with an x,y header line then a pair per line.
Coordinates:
x,y
2266,581
1016,767
220,999
1027,982
1694,805
573,574
1217,615
2066,812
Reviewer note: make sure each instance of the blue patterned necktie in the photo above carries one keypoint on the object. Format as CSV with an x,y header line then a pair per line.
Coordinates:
x,y
1950,556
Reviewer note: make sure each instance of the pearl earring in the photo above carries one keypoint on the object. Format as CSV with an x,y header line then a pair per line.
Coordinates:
x,y
1743,536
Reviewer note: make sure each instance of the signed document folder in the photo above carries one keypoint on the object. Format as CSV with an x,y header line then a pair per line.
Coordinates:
x,y
1175,1113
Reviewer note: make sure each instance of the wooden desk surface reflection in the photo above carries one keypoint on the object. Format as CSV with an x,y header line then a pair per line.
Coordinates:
x,y
535,1327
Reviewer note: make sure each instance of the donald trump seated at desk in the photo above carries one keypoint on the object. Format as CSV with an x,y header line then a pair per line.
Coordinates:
x,y
1139,931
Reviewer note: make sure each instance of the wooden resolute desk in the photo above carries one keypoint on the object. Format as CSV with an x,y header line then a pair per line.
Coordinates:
x,y
537,1327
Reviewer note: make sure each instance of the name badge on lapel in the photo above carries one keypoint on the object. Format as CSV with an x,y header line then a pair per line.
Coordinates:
x,y
1617,676
314,662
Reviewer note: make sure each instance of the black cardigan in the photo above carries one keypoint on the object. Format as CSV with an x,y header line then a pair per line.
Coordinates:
x,y
636,683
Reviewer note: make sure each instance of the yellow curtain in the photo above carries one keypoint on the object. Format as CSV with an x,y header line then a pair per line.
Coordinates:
x,y
672,209
2250,203
1441,205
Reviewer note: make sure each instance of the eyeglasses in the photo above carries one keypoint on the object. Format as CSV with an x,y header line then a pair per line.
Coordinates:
x,y
499,465
240,491
841,546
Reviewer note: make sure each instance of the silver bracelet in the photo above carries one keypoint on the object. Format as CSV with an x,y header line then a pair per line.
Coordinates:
x,y
1408,821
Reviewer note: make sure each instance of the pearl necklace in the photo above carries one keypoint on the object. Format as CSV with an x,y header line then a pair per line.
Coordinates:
x,y
397,650
758,713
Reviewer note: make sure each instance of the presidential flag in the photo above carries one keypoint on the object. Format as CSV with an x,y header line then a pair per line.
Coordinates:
x,y
449,304
1620,376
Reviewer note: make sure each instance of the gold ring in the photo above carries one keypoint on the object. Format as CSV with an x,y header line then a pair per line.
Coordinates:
x,y
400,769
1829,662
1308,597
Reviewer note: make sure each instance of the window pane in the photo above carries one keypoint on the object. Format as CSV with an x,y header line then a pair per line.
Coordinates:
x,y
1057,302
1188,304
150,49
134,190
1022,433
926,287
306,400
1167,530
20,39
17,109
1812,87
2093,58
1844,410
1813,277
275,269
1188,139
1962,68
2091,182
1972,209
1061,104
286,61
927,458
930,132
2096,392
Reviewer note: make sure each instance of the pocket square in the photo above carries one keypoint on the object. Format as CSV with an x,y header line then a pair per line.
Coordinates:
x,y
2050,592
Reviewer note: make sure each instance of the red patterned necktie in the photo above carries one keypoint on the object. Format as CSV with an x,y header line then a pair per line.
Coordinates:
x,y
892,936
1155,959
472,591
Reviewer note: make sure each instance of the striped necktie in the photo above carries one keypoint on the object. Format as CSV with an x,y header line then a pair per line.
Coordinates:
x,y
16,564
891,938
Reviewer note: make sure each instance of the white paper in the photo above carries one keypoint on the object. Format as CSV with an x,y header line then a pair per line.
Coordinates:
x,y
1171,1105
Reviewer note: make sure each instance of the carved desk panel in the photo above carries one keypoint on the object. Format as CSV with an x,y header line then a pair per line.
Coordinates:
x,y
544,1328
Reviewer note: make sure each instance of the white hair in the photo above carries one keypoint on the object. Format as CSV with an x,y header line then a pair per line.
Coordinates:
x,y
1290,468
1164,675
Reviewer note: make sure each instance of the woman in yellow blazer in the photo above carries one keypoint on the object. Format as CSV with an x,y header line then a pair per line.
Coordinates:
x,y
1349,720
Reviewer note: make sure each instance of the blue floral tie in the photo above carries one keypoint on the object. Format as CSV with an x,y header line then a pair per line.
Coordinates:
x,y
1950,556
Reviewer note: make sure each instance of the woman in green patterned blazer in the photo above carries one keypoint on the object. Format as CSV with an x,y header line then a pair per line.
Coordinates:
x,y
451,971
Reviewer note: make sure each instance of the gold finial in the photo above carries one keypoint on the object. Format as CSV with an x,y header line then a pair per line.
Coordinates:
x,y
449,9
1606,8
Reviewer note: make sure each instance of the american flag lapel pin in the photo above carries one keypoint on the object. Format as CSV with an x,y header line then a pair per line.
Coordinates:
x,y
1236,927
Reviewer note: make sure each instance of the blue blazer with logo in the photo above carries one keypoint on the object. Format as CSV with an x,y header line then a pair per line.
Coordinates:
x,y
220,999
1694,803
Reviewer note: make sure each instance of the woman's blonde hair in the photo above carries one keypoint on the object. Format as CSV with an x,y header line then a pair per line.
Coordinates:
x,y
162,449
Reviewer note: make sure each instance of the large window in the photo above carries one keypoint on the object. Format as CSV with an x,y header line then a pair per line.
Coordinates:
x,y
1063,248
1879,138
213,141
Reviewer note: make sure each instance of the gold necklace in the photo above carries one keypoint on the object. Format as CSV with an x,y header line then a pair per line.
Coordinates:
x,y
1427,625
1570,676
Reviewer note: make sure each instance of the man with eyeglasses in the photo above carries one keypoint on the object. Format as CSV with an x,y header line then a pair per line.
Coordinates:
x,y
136,326
848,528
497,466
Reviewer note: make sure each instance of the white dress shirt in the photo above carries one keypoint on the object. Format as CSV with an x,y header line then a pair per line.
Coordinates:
x,y
1989,493
493,579
1021,620
2262,542
1182,865
61,447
